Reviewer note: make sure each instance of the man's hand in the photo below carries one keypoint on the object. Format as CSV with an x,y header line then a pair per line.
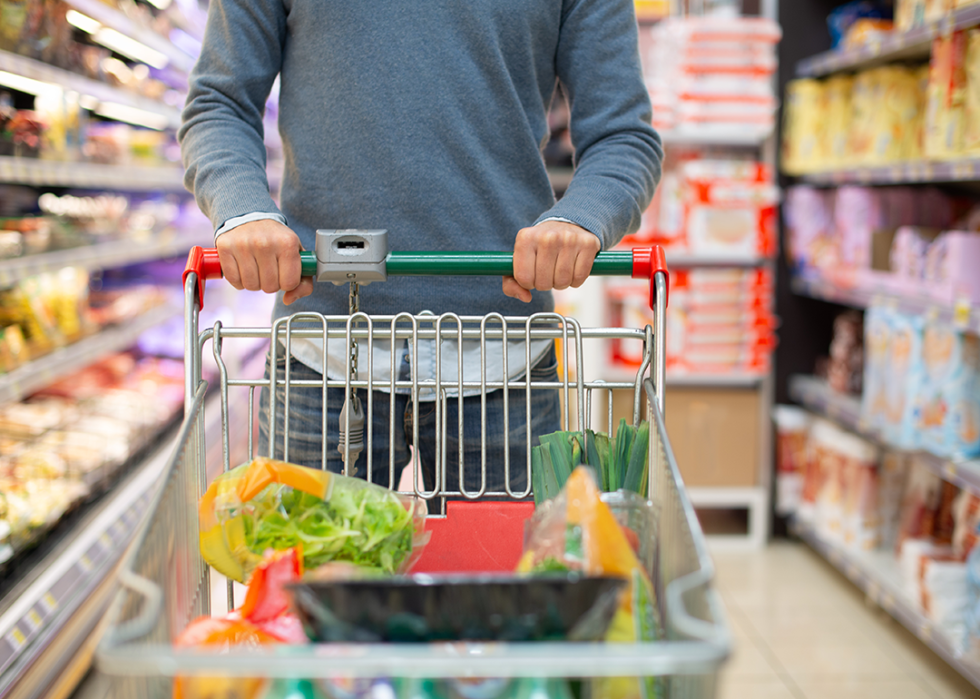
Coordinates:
x,y
263,255
551,255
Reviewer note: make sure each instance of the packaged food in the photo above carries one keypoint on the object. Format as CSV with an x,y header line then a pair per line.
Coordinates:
x,y
792,430
272,504
945,108
577,531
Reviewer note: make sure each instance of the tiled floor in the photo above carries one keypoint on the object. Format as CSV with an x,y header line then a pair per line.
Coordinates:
x,y
803,631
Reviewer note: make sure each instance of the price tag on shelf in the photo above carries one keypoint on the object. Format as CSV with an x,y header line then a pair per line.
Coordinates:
x,y
932,314
49,602
896,174
961,314
963,170
16,638
33,619
949,471
85,563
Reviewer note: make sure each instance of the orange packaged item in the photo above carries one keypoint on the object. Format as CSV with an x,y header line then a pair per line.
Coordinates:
x,y
577,531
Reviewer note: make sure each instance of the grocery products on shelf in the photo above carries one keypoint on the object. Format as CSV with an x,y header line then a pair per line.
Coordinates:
x,y
917,242
712,207
711,75
72,438
718,321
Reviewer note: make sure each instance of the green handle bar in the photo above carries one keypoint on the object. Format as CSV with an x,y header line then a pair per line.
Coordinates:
x,y
473,264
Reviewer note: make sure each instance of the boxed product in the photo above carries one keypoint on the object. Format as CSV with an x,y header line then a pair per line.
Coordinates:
x,y
804,125
950,267
945,100
903,378
892,475
792,430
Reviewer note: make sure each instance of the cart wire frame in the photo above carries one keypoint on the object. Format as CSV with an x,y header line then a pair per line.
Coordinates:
x,y
165,583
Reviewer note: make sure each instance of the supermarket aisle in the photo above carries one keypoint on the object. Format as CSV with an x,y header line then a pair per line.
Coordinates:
x,y
803,631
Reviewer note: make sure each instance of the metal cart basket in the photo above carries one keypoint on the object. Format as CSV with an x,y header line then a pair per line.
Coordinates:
x,y
165,583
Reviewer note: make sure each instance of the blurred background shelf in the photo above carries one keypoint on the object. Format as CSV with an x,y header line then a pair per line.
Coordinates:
x,y
964,316
925,171
817,396
680,260
112,18
20,66
101,255
39,373
877,574
129,178
914,44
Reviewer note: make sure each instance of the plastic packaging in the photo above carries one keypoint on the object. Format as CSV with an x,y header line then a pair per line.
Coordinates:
x,y
272,504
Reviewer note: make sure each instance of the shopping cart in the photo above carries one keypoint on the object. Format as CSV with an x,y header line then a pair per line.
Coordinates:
x,y
165,584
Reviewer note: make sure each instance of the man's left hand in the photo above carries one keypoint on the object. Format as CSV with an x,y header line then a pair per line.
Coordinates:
x,y
551,255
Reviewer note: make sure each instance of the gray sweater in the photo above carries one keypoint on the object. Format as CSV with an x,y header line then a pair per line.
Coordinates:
x,y
425,118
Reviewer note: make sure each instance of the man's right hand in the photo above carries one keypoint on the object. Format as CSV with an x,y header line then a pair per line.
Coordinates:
x,y
263,255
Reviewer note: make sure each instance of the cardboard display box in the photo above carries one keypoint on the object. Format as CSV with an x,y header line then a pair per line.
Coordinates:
x,y
714,432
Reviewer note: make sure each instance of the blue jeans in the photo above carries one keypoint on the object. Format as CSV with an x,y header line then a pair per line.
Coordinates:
x,y
306,430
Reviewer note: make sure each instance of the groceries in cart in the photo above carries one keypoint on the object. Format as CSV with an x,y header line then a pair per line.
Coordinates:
x,y
268,504
621,463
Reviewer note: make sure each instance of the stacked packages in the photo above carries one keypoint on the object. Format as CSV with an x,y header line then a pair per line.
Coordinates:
x,y
921,383
891,114
894,240
718,320
711,75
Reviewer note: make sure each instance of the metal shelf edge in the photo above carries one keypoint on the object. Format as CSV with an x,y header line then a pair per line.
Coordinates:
x,y
96,176
888,595
98,256
826,290
37,70
894,47
44,370
965,169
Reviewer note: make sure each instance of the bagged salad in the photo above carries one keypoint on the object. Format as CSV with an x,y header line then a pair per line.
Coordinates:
x,y
269,504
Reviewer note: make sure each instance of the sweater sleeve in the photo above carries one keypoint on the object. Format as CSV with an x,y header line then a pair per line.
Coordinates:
x,y
222,137
618,155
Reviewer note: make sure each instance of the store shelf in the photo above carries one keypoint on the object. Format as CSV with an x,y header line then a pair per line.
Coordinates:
x,y
36,612
621,374
707,136
29,68
39,373
917,172
817,396
844,289
876,573
114,19
915,44
94,176
100,256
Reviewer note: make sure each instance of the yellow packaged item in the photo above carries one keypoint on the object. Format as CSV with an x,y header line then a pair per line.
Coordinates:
x,y
865,106
899,106
837,130
909,14
946,97
803,127
917,146
936,10
971,101
577,531
267,504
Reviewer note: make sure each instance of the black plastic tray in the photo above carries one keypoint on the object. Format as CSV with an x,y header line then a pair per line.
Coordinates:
x,y
426,608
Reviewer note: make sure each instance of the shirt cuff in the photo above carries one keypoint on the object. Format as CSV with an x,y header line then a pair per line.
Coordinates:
x,y
558,218
248,218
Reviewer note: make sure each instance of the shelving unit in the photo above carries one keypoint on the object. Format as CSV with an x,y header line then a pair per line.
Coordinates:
x,y
37,374
815,395
93,176
876,574
101,255
86,87
843,289
898,47
114,19
918,172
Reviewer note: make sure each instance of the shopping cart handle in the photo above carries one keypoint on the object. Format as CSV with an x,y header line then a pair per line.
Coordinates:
x,y
639,263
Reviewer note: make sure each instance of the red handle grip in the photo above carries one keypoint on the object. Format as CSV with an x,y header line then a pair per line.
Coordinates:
x,y
646,263
205,264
